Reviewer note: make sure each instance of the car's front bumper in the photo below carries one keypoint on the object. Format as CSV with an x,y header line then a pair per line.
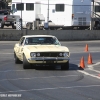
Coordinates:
x,y
45,60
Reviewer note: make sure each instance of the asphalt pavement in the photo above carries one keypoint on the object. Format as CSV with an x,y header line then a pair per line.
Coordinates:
x,y
51,83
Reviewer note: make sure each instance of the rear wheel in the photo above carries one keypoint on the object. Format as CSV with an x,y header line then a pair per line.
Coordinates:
x,y
65,66
13,27
26,64
1,24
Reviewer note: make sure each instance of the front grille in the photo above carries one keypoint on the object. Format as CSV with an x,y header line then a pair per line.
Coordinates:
x,y
49,54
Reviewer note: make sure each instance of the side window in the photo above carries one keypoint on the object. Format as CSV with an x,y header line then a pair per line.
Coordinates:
x,y
29,6
56,41
26,41
20,6
21,40
59,7
13,6
97,8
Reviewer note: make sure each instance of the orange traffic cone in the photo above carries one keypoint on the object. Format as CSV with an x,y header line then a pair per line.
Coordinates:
x,y
82,65
89,59
86,48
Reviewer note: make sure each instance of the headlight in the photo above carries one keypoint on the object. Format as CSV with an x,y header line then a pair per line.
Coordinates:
x,y
33,54
38,54
65,54
60,54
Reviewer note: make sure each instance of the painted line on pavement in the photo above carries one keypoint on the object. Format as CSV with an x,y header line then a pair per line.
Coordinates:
x,y
39,77
86,73
6,53
85,52
92,65
11,71
92,69
54,88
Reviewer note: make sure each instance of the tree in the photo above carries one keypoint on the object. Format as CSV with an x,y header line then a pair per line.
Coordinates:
x,y
9,1
4,4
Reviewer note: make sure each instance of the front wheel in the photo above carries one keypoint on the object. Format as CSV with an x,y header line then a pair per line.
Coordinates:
x,y
26,64
17,61
65,66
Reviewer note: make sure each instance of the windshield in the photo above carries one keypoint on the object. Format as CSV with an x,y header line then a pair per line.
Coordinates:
x,y
4,13
42,41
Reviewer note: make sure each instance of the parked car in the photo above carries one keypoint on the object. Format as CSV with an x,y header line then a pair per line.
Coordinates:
x,y
6,19
41,50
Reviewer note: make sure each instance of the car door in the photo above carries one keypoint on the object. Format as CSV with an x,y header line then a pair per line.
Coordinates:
x,y
20,48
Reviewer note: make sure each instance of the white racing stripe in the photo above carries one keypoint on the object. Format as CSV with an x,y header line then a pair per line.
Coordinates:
x,y
39,77
54,88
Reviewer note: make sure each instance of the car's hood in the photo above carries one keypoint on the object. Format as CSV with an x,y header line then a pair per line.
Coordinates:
x,y
47,48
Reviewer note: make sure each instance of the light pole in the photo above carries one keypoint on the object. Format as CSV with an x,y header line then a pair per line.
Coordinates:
x,y
92,15
21,14
48,15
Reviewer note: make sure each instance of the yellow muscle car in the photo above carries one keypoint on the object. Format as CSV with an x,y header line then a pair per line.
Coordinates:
x,y
41,50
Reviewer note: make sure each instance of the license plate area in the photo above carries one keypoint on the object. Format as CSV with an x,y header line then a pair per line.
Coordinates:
x,y
49,62
7,22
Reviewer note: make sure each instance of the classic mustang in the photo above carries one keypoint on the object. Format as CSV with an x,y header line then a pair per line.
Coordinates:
x,y
41,49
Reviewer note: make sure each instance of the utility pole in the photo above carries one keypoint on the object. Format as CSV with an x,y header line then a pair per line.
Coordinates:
x,y
21,14
48,15
92,16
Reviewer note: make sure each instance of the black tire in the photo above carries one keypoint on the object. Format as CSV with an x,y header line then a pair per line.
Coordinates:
x,y
2,25
29,26
26,64
17,61
13,27
65,66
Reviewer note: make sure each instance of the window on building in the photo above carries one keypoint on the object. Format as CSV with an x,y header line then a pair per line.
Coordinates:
x,y
13,6
20,6
29,6
59,7
9,7
97,8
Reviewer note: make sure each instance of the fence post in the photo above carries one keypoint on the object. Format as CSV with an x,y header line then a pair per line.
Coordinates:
x,y
18,24
0,23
